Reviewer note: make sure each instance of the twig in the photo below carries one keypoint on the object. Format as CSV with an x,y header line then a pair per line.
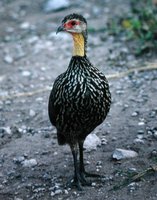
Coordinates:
x,y
110,76
24,94
135,177
152,66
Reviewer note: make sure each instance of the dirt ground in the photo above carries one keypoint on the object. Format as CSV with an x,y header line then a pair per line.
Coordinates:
x,y
32,165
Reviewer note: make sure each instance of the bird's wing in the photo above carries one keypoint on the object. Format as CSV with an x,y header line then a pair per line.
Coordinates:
x,y
53,108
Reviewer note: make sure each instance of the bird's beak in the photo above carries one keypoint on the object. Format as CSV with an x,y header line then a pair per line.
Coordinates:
x,y
60,28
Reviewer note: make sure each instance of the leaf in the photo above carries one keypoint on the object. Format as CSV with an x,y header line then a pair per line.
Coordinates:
x,y
126,24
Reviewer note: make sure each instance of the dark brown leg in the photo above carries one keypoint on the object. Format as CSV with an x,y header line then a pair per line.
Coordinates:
x,y
79,178
82,168
76,180
83,173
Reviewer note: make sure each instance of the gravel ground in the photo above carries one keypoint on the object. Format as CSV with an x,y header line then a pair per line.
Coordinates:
x,y
32,165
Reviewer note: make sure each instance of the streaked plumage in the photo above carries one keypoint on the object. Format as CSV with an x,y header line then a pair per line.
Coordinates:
x,y
80,99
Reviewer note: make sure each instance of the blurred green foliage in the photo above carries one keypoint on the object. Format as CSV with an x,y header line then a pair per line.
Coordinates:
x,y
140,26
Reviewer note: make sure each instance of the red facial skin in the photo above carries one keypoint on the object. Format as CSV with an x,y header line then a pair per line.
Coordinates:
x,y
70,24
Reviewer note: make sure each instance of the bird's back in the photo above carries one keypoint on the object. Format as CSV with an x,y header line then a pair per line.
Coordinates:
x,y
79,101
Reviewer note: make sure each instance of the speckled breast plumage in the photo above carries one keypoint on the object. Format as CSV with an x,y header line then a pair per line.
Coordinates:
x,y
79,101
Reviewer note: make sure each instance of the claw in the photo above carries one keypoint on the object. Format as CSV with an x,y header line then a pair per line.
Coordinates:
x,y
74,183
93,175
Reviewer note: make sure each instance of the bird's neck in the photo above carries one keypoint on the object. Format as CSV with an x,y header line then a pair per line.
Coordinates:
x,y
79,48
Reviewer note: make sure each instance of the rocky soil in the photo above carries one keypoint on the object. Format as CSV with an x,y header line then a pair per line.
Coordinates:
x,y
32,165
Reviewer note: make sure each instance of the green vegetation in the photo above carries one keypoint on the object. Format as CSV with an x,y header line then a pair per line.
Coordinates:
x,y
141,26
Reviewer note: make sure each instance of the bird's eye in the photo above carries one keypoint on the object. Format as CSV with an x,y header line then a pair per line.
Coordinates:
x,y
73,23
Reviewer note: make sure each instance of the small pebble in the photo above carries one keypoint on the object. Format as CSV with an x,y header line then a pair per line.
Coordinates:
x,y
139,136
39,99
91,142
1,187
114,138
93,184
53,5
141,123
66,192
29,163
140,132
25,25
58,191
137,140
32,113
132,169
149,132
52,194
120,92
154,153
153,114
103,141
155,134
7,130
19,160
134,114
133,186
8,59
26,73
120,154
55,153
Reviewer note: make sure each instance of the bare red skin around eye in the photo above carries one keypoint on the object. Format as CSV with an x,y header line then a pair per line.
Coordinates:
x,y
70,24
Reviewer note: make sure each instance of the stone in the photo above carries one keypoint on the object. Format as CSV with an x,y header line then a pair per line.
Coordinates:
x,y
25,25
141,123
91,142
58,191
154,153
32,113
155,134
8,59
138,140
120,154
29,162
134,114
52,194
26,73
133,186
66,192
93,184
104,141
140,132
54,5
153,114
7,130
39,99
19,160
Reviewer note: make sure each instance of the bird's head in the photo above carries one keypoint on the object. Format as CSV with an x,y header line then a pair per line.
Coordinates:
x,y
73,23
76,25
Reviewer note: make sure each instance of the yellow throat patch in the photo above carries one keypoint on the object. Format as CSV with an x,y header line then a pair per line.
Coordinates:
x,y
78,49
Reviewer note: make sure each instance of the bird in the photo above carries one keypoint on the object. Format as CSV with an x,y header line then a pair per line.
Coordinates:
x,y
80,98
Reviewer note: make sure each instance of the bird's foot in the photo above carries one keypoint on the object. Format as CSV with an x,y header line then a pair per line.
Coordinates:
x,y
92,175
74,183
83,180
78,182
